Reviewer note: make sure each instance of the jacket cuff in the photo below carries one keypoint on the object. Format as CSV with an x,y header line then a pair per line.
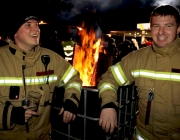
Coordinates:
x,y
70,106
6,118
110,105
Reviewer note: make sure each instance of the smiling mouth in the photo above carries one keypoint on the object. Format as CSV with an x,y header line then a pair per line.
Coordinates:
x,y
162,38
34,36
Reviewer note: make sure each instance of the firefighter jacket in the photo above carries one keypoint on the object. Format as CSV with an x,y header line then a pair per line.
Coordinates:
x,y
27,71
155,70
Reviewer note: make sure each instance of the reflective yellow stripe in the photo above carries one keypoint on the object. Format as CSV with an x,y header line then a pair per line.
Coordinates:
x,y
9,81
17,81
139,136
119,75
68,75
168,76
106,86
75,85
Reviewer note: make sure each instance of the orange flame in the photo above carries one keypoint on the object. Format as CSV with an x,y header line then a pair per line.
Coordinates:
x,y
85,58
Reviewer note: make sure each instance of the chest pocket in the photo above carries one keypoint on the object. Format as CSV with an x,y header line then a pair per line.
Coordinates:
x,y
143,96
40,98
143,88
175,97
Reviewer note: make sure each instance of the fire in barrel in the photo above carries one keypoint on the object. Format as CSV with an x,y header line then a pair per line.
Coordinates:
x,y
86,56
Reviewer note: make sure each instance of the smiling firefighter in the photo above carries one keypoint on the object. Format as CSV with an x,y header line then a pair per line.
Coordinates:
x,y
28,76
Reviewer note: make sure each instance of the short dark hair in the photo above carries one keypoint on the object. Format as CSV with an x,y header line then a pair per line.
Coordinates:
x,y
166,10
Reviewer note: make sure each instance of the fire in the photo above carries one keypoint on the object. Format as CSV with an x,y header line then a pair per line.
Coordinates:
x,y
86,56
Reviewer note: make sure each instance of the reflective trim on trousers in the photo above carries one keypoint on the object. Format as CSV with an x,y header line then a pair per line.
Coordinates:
x,y
139,136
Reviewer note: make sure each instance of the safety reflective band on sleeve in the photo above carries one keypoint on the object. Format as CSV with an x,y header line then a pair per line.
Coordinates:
x,y
119,75
106,86
17,81
67,75
75,85
168,76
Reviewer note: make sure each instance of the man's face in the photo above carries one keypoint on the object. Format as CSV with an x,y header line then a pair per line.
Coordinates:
x,y
27,36
164,30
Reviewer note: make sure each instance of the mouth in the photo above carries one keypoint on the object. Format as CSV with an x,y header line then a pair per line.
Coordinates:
x,y
162,38
34,36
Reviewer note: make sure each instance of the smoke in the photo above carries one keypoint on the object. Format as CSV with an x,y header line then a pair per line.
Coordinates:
x,y
105,5
102,5
98,31
175,3
91,5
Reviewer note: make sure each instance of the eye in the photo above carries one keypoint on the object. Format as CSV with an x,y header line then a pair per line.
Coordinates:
x,y
156,26
168,26
27,25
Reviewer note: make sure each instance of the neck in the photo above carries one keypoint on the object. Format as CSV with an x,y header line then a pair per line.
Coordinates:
x,y
25,47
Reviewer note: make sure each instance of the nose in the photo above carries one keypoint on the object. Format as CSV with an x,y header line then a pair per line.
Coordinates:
x,y
161,30
35,27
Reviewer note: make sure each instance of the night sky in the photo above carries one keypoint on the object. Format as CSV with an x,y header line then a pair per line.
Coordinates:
x,y
107,5
109,14
116,14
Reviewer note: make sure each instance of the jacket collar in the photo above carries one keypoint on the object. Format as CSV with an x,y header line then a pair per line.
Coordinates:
x,y
25,57
169,49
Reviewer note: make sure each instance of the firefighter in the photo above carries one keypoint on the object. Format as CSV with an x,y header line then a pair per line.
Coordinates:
x,y
155,70
29,74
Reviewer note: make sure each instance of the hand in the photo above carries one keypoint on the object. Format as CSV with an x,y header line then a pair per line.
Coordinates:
x,y
29,113
108,119
67,116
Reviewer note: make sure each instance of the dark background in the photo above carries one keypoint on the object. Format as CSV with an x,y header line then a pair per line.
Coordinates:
x,y
108,14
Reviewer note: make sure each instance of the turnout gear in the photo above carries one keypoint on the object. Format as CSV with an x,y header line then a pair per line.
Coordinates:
x,y
156,73
26,70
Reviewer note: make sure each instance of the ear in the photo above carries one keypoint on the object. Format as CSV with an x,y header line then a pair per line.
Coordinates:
x,y
178,30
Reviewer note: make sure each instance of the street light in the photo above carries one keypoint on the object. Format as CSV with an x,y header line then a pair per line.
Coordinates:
x,y
42,22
